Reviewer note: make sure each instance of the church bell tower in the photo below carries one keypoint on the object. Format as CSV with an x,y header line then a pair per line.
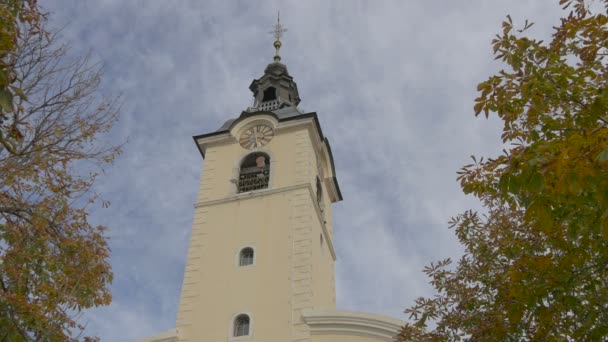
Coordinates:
x,y
261,253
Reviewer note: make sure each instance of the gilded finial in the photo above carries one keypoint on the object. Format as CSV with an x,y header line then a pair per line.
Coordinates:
x,y
278,33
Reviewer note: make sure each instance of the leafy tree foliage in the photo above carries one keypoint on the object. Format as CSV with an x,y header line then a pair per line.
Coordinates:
x,y
15,15
53,262
535,266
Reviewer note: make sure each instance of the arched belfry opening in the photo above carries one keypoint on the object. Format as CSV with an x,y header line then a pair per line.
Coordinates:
x,y
270,94
254,173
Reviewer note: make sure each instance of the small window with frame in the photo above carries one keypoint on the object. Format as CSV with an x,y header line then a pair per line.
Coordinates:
x,y
246,256
241,326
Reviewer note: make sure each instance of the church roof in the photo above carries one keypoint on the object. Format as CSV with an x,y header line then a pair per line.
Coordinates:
x,y
281,113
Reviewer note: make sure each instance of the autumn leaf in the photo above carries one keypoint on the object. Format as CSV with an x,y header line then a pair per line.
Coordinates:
x,y
53,262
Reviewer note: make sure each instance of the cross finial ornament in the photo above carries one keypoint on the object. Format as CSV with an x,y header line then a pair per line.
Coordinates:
x,y
278,33
278,28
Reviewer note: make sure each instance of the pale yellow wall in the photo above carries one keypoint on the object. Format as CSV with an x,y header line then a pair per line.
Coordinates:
x,y
323,266
343,338
290,150
219,288
291,272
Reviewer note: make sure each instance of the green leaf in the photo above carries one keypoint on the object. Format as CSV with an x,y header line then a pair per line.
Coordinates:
x,y
478,107
6,100
602,157
537,183
514,184
503,183
515,314
3,78
573,182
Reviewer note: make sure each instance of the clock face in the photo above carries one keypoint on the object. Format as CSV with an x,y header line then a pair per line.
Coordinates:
x,y
256,137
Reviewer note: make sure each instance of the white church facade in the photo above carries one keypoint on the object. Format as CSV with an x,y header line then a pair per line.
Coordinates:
x,y
260,265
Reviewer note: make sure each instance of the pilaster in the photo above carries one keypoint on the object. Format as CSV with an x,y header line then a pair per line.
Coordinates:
x,y
208,176
193,275
301,263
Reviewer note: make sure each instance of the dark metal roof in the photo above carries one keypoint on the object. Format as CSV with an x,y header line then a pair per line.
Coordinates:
x,y
281,114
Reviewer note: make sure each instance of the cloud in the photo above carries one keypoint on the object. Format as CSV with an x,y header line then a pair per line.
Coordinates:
x,y
392,81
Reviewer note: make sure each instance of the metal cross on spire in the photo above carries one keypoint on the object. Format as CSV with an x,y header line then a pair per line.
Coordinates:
x,y
278,33
278,28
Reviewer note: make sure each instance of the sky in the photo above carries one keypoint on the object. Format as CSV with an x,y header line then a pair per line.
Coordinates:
x,y
393,83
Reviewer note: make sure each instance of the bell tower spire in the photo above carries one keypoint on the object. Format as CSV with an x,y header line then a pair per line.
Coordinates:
x,y
276,89
260,265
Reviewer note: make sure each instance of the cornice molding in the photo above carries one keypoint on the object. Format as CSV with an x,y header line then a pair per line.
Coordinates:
x,y
334,322
268,192
167,336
